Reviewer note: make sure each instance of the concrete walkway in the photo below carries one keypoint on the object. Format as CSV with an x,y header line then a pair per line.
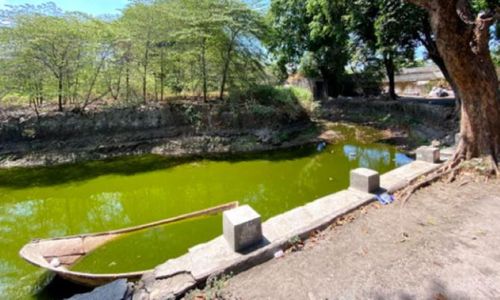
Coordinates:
x,y
444,244
178,275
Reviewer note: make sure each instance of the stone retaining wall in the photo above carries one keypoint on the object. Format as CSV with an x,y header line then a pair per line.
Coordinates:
x,y
170,129
188,117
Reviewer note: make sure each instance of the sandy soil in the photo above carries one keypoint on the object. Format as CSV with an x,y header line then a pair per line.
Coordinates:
x,y
443,244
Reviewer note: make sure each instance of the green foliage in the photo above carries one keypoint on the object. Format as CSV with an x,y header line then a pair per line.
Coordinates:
x,y
295,244
396,27
496,56
291,34
266,100
262,111
309,66
203,48
193,115
155,49
295,240
387,29
315,27
303,95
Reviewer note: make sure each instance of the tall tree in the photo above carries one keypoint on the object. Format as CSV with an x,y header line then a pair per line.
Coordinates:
x,y
329,41
394,29
290,22
463,41
388,28
140,21
174,46
56,43
317,27
243,27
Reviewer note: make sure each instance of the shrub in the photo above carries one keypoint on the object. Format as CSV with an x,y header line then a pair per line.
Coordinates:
x,y
262,111
306,99
304,95
14,99
265,99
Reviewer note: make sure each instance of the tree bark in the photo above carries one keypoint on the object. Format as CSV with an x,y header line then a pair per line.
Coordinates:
x,y
227,62
462,41
162,75
224,74
127,84
204,69
390,69
145,74
60,91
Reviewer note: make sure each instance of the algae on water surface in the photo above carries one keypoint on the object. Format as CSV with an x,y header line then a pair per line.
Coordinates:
x,y
101,196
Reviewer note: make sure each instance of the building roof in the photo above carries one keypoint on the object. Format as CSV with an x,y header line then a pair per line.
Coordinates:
x,y
426,73
417,74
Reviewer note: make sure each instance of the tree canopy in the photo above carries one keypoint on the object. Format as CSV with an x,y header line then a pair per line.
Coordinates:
x,y
153,50
156,49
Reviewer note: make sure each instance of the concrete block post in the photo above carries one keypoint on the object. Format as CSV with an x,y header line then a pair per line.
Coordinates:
x,y
428,154
365,180
242,227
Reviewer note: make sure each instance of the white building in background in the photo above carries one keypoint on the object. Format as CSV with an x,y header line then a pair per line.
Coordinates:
x,y
419,81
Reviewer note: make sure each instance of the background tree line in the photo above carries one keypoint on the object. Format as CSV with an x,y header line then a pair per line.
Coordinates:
x,y
161,48
334,39
153,50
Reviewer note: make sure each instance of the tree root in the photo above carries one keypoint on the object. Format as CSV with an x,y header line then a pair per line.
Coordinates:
x,y
406,194
451,167
494,166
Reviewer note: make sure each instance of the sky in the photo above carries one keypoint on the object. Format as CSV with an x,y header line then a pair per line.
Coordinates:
x,y
101,7
94,7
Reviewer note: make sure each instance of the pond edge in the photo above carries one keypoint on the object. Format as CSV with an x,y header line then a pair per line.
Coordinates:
x,y
176,276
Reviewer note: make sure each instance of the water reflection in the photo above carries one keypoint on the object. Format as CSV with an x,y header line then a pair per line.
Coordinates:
x,y
402,159
109,207
374,158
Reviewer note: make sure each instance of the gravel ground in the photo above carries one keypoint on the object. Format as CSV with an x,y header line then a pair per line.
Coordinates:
x,y
443,244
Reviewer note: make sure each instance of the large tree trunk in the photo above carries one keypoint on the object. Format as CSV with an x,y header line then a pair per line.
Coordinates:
x,y
390,70
462,41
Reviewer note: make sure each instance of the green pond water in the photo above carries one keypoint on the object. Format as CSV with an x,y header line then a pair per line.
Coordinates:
x,y
100,196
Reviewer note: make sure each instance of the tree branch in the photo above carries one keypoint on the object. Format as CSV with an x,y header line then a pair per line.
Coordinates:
x,y
464,12
484,20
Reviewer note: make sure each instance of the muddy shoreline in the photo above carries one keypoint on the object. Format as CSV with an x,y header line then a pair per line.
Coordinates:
x,y
172,131
181,147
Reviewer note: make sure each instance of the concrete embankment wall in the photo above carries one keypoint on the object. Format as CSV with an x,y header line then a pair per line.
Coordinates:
x,y
175,129
185,118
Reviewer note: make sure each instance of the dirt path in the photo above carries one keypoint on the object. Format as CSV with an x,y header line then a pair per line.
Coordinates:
x,y
444,244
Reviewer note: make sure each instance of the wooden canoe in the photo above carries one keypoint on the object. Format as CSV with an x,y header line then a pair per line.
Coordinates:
x,y
60,254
